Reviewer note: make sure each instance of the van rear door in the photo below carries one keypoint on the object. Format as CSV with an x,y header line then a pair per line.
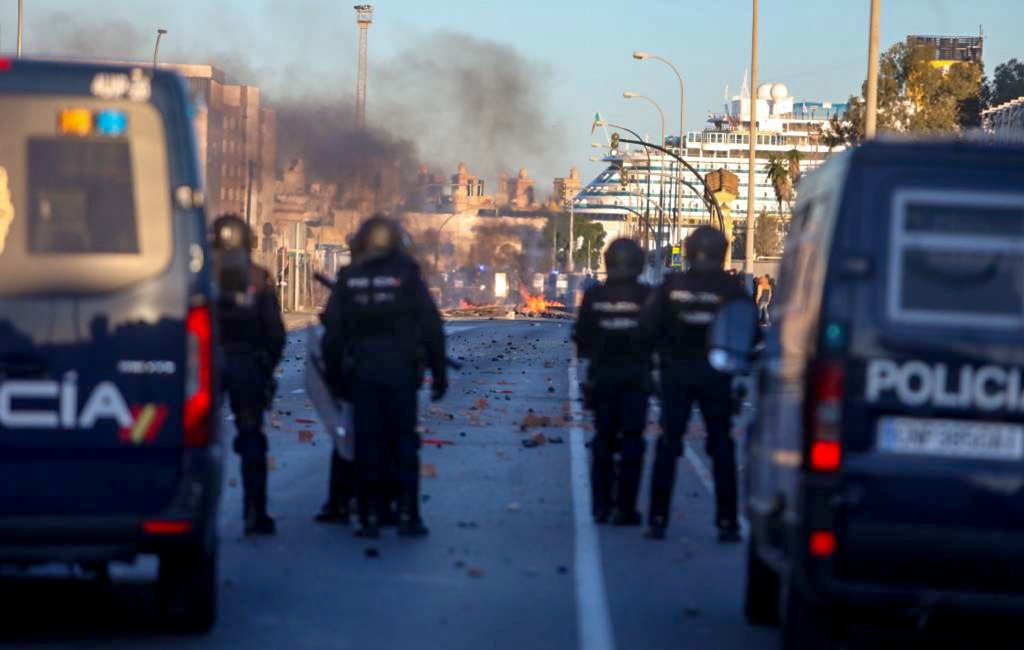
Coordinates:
x,y
932,466
93,300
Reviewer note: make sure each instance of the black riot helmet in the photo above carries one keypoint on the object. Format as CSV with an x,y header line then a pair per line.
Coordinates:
x,y
232,242
378,236
624,259
705,249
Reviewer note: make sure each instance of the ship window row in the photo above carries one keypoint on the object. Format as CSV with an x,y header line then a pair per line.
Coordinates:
x,y
737,138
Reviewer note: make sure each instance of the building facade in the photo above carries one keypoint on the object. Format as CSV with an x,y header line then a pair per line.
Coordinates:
x,y
946,51
237,141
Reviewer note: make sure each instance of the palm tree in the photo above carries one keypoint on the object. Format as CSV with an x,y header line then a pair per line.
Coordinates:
x,y
793,158
778,174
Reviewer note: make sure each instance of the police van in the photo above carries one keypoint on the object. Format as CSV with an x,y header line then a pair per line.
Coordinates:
x,y
886,460
108,440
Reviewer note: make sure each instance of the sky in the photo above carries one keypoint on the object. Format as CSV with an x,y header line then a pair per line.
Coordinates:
x,y
572,58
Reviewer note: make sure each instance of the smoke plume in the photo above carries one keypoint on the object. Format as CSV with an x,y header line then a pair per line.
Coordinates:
x,y
445,97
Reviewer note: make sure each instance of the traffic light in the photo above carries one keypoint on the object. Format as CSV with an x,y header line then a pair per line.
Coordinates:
x,y
615,143
624,178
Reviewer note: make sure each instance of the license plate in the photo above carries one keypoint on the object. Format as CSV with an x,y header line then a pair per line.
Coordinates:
x,y
950,438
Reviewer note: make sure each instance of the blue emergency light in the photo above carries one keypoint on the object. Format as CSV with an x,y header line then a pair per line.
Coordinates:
x,y
111,123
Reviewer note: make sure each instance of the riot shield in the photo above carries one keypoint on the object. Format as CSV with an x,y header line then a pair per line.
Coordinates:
x,y
335,414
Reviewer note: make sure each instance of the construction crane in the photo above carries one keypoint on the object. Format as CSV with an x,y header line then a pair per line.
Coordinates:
x,y
364,16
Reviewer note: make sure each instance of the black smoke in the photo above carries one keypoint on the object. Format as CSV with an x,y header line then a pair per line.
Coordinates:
x,y
445,97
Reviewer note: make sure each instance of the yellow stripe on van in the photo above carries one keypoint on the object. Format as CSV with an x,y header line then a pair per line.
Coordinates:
x,y
142,424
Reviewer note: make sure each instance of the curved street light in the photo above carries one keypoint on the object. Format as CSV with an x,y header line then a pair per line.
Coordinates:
x,y
643,56
704,182
156,48
661,113
640,55
648,153
661,187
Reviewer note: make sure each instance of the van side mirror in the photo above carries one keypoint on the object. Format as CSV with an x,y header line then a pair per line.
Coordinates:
x,y
731,337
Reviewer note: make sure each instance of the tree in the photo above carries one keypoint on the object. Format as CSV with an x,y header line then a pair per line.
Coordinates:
x,y
1007,83
767,235
793,158
914,96
591,232
778,175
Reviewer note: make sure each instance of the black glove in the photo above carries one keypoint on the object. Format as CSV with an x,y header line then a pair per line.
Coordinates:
x,y
438,388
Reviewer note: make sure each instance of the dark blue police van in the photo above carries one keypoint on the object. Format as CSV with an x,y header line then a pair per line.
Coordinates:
x,y
108,440
886,461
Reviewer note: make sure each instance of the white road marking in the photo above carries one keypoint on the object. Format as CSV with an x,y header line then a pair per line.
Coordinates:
x,y
592,616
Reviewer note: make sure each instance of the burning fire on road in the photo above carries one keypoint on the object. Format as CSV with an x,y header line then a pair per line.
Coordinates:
x,y
535,304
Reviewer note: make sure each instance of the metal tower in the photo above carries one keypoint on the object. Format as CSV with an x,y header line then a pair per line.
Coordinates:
x,y
364,16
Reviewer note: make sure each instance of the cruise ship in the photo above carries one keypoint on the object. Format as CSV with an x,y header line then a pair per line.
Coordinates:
x,y
783,124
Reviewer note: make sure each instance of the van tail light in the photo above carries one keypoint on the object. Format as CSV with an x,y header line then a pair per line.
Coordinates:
x,y
825,416
166,527
5,64
821,543
198,377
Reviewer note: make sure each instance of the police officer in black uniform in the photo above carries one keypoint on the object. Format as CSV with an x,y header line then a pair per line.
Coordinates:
x,y
609,333
380,320
253,338
678,315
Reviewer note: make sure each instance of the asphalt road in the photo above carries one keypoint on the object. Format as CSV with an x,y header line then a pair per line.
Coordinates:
x,y
512,560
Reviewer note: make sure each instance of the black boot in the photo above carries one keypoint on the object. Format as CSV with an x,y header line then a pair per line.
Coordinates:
x,y
630,469
602,479
369,528
409,522
254,483
657,528
369,523
339,493
333,513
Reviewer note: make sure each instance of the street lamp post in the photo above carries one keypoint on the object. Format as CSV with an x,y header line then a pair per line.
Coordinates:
x,y
748,248
437,243
156,47
871,112
572,217
21,25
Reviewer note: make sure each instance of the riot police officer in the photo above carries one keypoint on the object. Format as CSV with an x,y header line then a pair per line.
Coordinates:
x,y
253,338
380,319
609,333
678,316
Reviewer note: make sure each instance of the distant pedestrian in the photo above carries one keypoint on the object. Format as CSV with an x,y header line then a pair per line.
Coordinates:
x,y
763,297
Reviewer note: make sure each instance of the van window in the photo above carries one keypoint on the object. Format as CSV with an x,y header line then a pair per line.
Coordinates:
x,y
85,196
957,259
81,198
